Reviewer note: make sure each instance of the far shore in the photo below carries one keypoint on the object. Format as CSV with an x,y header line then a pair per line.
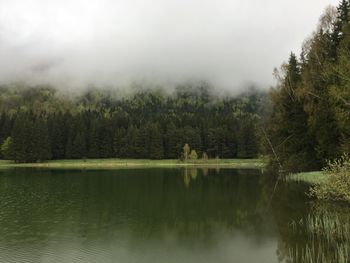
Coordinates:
x,y
136,163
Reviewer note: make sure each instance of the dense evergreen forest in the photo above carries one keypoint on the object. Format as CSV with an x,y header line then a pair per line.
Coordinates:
x,y
310,118
304,123
41,123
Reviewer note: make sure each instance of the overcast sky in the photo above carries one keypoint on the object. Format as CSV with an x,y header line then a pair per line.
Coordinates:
x,y
230,43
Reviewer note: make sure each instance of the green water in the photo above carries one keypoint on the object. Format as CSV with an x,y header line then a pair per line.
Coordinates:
x,y
149,216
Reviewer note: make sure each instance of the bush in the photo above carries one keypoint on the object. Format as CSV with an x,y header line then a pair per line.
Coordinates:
x,y
193,155
337,185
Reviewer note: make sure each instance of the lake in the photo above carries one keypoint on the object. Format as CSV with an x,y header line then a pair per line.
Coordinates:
x,y
163,215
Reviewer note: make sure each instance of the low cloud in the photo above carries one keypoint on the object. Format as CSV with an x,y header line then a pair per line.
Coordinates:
x,y
74,43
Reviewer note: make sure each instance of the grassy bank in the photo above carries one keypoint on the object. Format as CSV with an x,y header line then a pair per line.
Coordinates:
x,y
308,177
134,163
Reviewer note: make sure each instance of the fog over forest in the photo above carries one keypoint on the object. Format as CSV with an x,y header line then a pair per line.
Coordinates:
x,y
175,131
76,43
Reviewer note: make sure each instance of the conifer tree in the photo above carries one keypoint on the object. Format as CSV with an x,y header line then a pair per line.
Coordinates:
x,y
69,151
57,135
142,142
339,26
93,140
155,142
40,141
79,146
247,141
106,139
118,145
5,128
172,141
211,142
21,136
289,122
191,137
6,149
129,143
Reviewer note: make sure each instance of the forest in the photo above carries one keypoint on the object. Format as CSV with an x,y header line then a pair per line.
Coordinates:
x,y
310,116
40,123
300,123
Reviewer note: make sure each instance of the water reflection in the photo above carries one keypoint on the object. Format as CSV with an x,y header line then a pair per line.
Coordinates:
x,y
153,215
310,230
190,174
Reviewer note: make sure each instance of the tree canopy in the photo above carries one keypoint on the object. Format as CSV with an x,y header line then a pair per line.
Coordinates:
x,y
310,120
44,124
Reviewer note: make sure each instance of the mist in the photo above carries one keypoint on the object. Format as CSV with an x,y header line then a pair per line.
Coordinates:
x,y
77,43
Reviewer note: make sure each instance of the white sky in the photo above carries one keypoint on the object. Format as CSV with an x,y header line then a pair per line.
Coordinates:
x,y
230,43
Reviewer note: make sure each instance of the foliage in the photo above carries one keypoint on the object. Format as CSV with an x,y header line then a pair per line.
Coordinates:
x,y
310,120
328,229
5,148
337,184
30,139
152,124
205,156
186,151
193,155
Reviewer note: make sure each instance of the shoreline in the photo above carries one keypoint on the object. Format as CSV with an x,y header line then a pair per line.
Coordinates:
x,y
136,163
312,178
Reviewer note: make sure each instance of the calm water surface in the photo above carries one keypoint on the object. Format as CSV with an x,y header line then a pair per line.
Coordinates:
x,y
149,215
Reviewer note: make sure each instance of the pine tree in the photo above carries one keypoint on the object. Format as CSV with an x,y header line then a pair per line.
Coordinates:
x,y
289,122
40,141
5,128
129,143
79,146
93,140
142,142
69,148
106,139
212,142
339,94
155,142
118,145
30,141
173,142
56,133
247,140
22,138
340,25
192,137
5,149
18,147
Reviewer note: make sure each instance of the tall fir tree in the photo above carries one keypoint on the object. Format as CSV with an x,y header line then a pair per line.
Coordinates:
x,y
93,139
41,141
155,142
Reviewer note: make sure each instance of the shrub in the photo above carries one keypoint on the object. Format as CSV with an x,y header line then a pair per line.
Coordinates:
x,y
193,155
337,184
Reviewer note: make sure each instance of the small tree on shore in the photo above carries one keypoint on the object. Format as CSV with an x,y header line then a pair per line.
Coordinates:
x,y
193,155
186,152
205,156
